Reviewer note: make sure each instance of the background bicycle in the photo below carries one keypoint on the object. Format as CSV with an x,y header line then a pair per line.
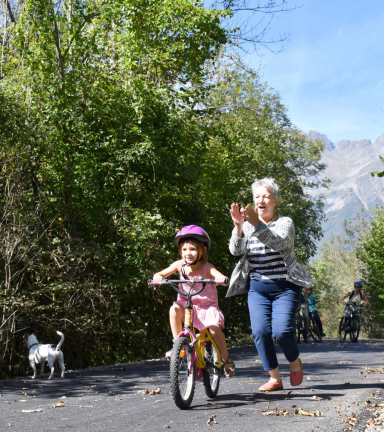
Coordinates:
x,y
300,330
314,329
350,322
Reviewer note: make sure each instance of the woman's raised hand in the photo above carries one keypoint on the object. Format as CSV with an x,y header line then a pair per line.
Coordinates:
x,y
251,215
237,215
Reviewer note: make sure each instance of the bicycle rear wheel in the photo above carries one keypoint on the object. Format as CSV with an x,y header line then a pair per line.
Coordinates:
x,y
314,330
211,374
355,329
182,371
298,325
343,329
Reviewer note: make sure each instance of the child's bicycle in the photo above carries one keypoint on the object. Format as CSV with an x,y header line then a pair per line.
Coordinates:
x,y
194,356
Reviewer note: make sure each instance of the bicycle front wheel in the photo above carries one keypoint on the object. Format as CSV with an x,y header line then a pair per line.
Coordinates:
x,y
343,329
355,329
211,374
182,371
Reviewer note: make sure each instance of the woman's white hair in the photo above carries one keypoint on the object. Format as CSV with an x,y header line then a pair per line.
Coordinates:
x,y
270,184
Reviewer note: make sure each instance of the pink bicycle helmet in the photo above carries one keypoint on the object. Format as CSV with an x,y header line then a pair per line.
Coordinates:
x,y
193,231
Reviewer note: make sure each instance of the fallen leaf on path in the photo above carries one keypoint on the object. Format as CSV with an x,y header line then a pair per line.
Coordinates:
x,y
282,412
316,398
153,392
211,420
316,413
32,410
59,404
351,420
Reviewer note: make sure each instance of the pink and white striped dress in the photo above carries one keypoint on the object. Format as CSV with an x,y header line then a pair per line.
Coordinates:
x,y
206,310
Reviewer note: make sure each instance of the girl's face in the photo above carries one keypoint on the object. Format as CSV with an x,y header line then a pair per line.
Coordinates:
x,y
189,252
265,203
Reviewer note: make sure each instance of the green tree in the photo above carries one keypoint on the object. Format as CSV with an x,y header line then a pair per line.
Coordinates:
x,y
102,91
371,254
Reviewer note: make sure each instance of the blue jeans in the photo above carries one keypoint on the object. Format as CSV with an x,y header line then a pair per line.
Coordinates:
x,y
277,302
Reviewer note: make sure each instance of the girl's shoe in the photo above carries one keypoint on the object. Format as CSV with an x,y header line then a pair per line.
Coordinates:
x,y
168,354
297,377
231,370
271,386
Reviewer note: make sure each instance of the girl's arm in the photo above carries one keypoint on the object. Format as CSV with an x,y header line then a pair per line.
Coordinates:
x,y
213,273
173,268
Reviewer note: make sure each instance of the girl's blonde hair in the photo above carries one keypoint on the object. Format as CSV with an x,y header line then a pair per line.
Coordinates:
x,y
201,247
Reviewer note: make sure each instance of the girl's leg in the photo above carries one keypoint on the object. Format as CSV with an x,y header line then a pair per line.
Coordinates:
x,y
176,314
260,309
219,338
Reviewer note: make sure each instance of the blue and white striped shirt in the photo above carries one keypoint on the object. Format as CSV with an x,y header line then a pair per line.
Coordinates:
x,y
265,263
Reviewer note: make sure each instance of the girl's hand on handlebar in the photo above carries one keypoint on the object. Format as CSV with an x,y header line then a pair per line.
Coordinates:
x,y
222,280
157,277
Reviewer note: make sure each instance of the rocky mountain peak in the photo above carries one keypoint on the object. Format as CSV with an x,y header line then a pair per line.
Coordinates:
x,y
349,165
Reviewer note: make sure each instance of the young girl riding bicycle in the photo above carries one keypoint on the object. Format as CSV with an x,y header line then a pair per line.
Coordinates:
x,y
193,243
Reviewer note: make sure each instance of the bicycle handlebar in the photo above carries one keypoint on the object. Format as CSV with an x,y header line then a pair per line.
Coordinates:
x,y
175,282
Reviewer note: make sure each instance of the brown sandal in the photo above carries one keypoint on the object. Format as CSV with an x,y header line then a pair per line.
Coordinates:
x,y
229,372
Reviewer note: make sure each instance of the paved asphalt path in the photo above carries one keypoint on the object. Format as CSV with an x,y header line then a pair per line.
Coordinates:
x,y
337,387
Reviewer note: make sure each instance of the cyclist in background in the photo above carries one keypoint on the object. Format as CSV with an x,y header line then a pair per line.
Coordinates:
x,y
356,296
312,308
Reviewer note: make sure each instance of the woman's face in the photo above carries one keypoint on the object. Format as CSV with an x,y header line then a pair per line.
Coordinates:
x,y
265,203
357,288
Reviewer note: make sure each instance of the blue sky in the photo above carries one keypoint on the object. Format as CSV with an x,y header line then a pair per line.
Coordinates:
x,y
331,73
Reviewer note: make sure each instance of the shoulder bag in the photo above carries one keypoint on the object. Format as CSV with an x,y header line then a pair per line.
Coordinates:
x,y
239,278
